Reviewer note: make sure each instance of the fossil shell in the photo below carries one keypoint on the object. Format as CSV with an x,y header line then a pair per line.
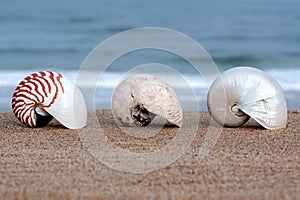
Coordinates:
x,y
244,92
139,98
44,95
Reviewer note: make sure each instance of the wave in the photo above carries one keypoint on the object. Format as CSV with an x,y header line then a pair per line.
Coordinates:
x,y
102,93
287,78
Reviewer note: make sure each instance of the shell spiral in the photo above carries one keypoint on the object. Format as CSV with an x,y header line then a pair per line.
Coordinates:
x,y
244,92
43,95
150,93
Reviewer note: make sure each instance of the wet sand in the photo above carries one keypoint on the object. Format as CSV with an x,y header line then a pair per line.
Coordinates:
x,y
54,162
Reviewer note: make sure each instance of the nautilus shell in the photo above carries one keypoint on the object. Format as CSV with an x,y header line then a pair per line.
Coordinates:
x,y
44,95
244,92
139,98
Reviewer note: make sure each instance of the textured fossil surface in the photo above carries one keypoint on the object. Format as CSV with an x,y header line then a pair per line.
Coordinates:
x,y
139,98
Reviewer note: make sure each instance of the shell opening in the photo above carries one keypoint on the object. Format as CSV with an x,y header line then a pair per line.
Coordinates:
x,y
38,110
235,108
141,116
42,117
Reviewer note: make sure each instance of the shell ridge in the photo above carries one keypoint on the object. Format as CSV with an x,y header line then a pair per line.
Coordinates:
x,y
24,91
55,92
21,95
44,76
43,82
35,86
161,95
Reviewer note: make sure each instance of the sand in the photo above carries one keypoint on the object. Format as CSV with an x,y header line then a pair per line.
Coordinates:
x,y
246,162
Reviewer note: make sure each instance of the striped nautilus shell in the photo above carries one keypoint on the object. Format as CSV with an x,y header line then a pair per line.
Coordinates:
x,y
244,92
139,98
44,95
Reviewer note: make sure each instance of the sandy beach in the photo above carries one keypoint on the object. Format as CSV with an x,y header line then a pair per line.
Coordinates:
x,y
246,162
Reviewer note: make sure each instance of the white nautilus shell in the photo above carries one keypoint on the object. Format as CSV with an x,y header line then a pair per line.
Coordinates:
x,y
244,92
139,98
44,95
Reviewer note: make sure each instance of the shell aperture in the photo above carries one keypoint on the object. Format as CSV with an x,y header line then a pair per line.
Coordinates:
x,y
139,98
42,117
43,95
244,92
141,115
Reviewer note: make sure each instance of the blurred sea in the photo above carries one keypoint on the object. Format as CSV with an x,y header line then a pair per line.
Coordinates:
x,y
57,35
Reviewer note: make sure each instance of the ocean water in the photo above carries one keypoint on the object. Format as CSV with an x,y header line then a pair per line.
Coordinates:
x,y
58,35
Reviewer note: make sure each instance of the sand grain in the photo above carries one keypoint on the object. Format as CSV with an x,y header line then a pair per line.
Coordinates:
x,y
52,162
